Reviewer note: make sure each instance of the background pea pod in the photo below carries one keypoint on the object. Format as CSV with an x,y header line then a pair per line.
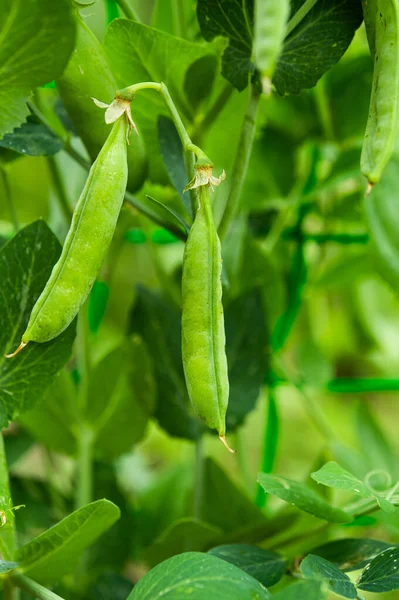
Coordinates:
x,y
88,75
93,225
269,30
203,335
383,121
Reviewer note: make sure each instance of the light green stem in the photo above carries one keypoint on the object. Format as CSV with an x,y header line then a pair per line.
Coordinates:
x,y
9,200
34,589
300,15
84,491
199,477
59,188
324,111
129,11
7,533
241,163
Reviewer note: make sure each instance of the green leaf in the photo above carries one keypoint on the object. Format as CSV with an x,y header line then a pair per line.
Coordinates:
x,y
263,565
316,43
110,585
350,554
185,535
34,50
7,566
25,266
173,157
302,497
333,475
203,69
159,325
239,513
120,399
32,139
198,576
139,53
233,20
54,419
311,590
247,354
382,211
58,550
382,574
315,567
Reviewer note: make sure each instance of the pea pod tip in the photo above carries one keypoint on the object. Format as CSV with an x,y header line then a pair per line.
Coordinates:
x,y
224,442
20,347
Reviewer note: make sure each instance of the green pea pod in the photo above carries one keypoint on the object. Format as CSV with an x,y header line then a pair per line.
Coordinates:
x,y
370,20
203,336
269,31
383,121
88,75
93,225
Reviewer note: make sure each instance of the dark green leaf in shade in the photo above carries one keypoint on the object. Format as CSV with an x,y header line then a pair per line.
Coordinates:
x,y
32,139
315,567
57,551
382,211
25,266
316,44
302,497
382,574
247,354
173,157
198,576
201,71
185,535
350,554
33,51
263,565
303,590
159,325
16,445
110,585
233,20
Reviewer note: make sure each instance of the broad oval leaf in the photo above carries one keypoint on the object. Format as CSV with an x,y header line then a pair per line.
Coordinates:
x,y
32,139
264,565
33,51
57,551
382,574
25,266
350,554
198,576
333,475
311,590
315,567
302,497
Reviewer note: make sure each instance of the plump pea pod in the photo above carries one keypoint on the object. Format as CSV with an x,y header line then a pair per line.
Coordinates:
x,y
93,225
203,336
88,75
383,121
269,31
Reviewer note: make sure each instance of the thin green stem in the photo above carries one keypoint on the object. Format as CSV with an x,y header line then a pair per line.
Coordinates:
x,y
7,533
9,591
323,108
199,477
9,199
133,202
59,187
84,490
241,162
270,443
299,16
78,158
178,17
32,588
360,385
325,238
129,11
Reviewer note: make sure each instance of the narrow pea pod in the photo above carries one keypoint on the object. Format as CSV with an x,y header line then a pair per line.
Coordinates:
x,y
93,225
269,32
88,75
383,121
370,20
203,335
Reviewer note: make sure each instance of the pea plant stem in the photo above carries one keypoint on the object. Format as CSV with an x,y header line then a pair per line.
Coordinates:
x,y
84,492
270,442
178,18
299,16
59,188
199,477
33,589
9,199
9,591
7,534
241,162
129,11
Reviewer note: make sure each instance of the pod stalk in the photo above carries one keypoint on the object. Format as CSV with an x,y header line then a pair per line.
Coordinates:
x,y
17,351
